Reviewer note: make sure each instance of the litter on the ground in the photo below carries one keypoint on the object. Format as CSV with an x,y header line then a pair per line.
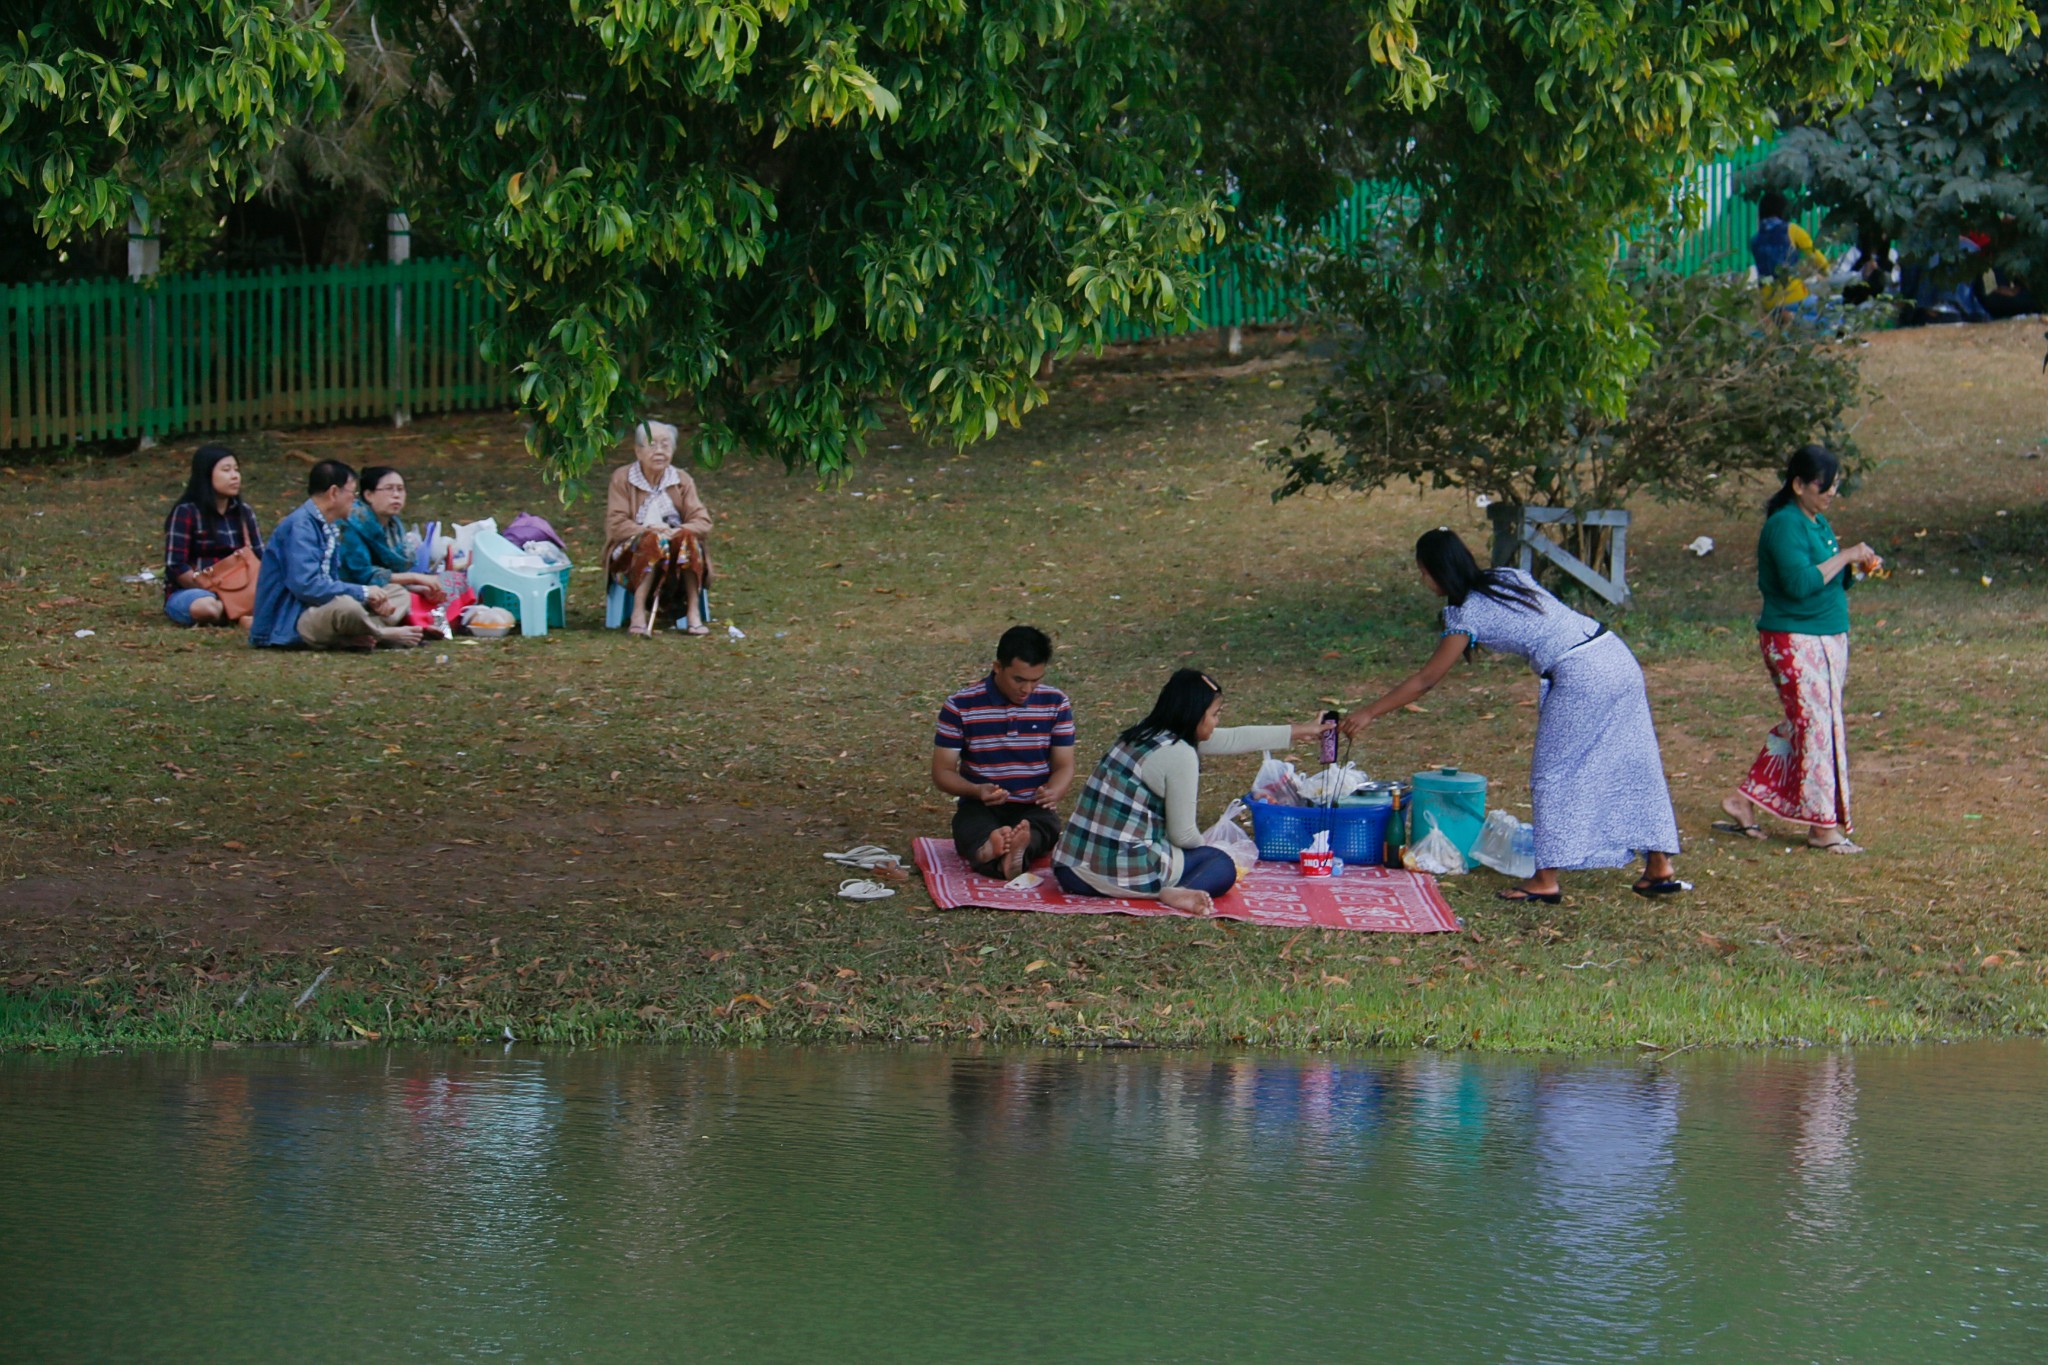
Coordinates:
x,y
145,576
735,633
88,634
1701,546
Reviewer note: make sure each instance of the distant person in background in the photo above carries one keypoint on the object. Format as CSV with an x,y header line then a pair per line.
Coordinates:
x,y
376,549
1872,264
1004,748
654,529
1803,573
208,523
1781,251
299,601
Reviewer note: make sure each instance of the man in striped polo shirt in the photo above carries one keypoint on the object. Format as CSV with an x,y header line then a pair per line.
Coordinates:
x,y
1005,747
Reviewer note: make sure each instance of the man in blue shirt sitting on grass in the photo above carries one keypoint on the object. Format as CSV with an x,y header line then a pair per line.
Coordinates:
x,y
299,601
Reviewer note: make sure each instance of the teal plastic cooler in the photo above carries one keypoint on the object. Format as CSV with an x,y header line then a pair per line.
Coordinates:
x,y
1455,800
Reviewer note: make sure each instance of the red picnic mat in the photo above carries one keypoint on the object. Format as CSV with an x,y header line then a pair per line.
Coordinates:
x,y
1374,899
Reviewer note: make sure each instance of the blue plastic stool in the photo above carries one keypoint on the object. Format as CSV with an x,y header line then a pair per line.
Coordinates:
x,y
618,605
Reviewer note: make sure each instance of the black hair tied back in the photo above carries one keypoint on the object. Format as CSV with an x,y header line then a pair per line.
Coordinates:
x,y
1816,465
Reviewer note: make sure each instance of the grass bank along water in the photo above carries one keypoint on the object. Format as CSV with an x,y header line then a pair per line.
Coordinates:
x,y
586,837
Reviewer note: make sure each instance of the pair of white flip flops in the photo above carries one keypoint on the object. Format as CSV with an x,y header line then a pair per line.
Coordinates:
x,y
869,858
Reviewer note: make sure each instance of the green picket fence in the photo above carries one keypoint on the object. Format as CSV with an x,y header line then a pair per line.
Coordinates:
x,y
104,359
100,359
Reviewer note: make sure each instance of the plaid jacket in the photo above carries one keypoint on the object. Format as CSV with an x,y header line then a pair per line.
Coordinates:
x,y
1118,831
198,537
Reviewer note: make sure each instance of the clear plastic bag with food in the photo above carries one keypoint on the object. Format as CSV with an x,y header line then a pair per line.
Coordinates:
x,y
1434,853
1228,835
1277,783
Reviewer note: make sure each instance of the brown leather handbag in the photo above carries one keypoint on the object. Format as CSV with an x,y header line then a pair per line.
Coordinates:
x,y
233,581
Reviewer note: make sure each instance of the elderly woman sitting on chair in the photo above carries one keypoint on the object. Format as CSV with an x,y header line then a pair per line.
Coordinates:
x,y
654,525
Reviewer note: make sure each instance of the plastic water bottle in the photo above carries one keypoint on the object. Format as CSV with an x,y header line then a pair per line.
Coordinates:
x,y
1330,739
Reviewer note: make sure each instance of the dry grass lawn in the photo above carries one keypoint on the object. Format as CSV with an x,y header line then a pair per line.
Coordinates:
x,y
585,836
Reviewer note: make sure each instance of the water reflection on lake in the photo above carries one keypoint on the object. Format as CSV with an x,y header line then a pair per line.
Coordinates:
x,y
925,1205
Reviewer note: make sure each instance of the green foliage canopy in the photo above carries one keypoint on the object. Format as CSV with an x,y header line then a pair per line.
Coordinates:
x,y
102,101
1537,134
788,212
1924,161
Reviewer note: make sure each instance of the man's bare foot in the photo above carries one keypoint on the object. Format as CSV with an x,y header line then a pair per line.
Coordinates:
x,y
1020,844
401,637
1188,902
993,849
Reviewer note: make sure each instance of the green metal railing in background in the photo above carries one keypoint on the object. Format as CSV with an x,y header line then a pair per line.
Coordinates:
x,y
1243,292
105,359
101,359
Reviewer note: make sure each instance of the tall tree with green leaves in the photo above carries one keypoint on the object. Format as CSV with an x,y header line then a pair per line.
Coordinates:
x,y
1926,160
1529,141
104,101
793,215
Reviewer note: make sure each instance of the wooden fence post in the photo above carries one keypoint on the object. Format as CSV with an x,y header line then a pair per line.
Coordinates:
x,y
398,248
145,254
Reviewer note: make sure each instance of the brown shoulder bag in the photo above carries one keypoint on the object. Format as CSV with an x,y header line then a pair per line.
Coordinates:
x,y
233,581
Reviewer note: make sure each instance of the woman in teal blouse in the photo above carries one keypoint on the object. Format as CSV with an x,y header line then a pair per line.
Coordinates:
x,y
1802,775
372,548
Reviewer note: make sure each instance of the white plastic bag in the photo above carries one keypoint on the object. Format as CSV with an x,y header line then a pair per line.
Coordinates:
x,y
1277,783
551,555
1434,852
1504,847
1229,836
1331,785
465,537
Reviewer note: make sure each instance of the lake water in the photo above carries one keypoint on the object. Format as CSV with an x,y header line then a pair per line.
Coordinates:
x,y
948,1206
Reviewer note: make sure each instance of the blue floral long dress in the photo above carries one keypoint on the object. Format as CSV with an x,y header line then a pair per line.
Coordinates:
x,y
1596,780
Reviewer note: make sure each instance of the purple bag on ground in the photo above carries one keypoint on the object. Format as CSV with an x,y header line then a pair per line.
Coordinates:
x,y
526,528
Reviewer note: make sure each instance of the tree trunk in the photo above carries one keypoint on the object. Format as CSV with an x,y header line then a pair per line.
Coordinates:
x,y
1507,532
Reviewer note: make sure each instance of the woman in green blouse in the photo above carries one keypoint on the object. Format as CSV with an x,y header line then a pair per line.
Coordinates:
x,y
1802,775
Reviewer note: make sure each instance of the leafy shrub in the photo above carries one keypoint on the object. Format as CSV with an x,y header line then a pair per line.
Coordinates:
x,y
1724,393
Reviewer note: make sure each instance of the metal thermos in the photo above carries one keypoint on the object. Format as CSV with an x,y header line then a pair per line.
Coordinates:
x,y
1330,739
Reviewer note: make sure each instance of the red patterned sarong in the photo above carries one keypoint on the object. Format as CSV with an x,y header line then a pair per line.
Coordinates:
x,y
1802,775
675,560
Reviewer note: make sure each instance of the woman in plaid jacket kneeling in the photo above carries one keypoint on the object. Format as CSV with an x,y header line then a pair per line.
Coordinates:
x,y
1133,833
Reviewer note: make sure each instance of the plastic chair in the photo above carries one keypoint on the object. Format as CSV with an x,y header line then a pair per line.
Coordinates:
x,y
539,597
618,605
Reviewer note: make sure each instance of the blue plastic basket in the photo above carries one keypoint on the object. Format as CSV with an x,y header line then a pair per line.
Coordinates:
x,y
1358,834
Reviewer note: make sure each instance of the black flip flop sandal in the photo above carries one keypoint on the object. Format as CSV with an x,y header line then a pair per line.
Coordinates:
x,y
1662,886
1515,895
1730,827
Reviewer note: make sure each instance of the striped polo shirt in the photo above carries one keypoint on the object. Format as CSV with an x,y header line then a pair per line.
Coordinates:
x,y
1010,746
